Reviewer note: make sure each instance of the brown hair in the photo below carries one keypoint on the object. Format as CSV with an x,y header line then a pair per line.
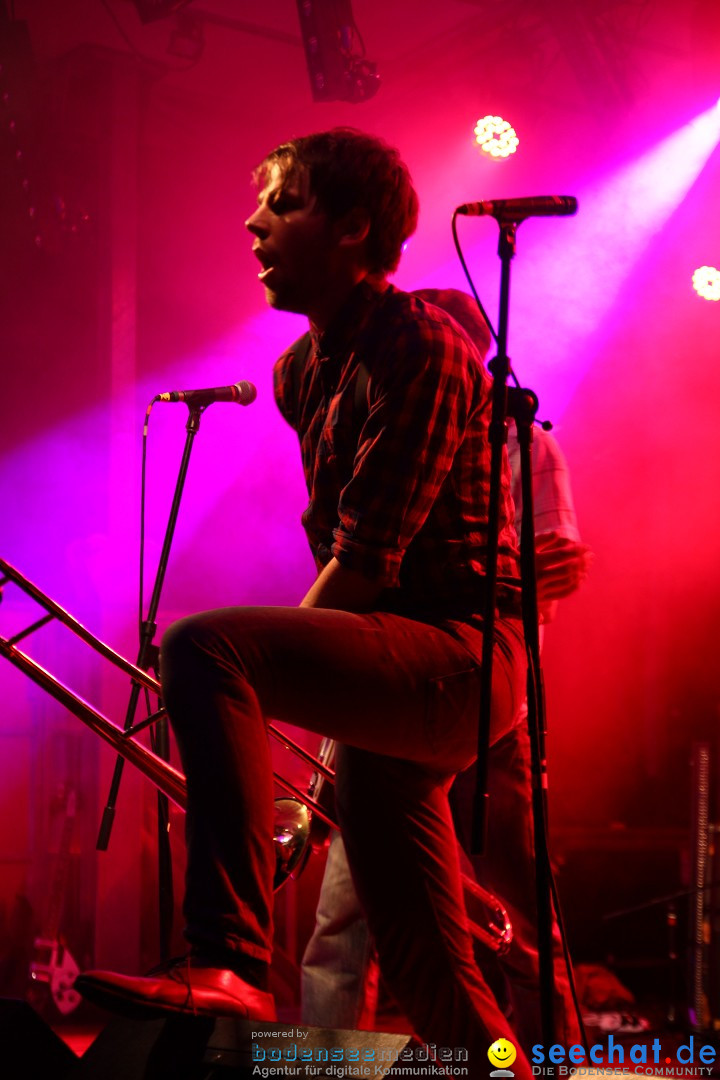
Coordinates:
x,y
348,169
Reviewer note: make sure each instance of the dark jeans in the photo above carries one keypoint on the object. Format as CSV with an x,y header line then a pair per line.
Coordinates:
x,y
402,697
339,977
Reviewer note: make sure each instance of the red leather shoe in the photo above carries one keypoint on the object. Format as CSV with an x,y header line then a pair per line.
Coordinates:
x,y
185,986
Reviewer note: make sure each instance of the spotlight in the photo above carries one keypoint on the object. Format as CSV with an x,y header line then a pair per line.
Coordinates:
x,y
150,10
496,137
706,282
337,70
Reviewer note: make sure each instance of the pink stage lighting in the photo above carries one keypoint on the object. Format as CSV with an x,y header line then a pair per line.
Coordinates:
x,y
496,137
706,282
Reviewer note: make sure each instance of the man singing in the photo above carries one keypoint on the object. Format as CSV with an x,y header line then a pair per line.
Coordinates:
x,y
391,406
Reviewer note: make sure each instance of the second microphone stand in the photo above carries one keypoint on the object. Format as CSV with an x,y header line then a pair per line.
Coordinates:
x,y
147,654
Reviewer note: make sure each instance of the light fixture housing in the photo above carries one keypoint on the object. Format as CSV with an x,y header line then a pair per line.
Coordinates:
x,y
150,10
337,70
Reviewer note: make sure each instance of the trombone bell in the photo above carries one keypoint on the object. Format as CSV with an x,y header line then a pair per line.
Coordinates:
x,y
291,835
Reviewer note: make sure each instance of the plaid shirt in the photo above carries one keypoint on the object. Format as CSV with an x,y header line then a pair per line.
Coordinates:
x,y
397,465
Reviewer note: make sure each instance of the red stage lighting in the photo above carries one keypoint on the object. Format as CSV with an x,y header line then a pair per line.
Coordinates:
x,y
496,137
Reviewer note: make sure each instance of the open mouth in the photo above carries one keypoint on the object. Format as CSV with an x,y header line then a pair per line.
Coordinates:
x,y
265,261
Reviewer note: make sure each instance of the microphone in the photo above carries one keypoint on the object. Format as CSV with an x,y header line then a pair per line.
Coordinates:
x,y
514,210
244,393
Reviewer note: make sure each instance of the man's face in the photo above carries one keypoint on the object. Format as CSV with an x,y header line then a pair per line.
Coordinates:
x,y
294,243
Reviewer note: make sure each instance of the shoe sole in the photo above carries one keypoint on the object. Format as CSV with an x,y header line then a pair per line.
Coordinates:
x,y
140,1008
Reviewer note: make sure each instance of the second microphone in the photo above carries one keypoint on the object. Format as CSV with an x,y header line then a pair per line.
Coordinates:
x,y
243,393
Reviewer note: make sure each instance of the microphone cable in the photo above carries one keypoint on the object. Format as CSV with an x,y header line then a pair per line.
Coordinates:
x,y
471,283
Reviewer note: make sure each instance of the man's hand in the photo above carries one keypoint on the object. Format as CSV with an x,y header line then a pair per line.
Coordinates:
x,y
342,589
561,566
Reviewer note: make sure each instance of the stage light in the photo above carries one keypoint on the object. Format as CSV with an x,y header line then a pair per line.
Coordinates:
x,y
338,72
150,10
706,282
496,137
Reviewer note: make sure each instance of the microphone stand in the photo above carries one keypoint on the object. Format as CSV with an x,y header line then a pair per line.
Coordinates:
x,y
522,408
147,653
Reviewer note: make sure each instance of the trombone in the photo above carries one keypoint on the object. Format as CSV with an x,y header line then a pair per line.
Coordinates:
x,y
488,921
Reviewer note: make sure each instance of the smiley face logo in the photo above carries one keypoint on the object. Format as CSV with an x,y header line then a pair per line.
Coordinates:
x,y
502,1053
